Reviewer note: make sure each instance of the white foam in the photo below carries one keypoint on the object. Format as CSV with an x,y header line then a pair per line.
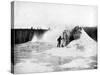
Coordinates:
x,y
30,67
89,45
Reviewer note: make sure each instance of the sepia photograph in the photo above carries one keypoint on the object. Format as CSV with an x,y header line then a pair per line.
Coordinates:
x,y
50,37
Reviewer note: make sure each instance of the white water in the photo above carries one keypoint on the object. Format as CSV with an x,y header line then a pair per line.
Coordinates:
x,y
71,51
34,39
52,35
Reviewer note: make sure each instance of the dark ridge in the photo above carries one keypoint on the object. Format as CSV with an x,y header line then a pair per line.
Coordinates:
x,y
19,36
92,32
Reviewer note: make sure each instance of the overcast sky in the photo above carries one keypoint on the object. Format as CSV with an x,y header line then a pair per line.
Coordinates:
x,y
27,14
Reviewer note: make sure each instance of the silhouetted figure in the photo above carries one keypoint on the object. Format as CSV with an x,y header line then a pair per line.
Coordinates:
x,y
59,41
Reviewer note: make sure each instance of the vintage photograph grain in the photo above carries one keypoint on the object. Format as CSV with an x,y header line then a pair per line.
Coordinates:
x,y
48,37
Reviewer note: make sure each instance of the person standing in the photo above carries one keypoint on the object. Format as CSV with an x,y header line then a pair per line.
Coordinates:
x,y
59,42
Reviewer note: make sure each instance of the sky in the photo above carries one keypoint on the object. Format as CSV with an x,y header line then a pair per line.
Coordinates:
x,y
44,15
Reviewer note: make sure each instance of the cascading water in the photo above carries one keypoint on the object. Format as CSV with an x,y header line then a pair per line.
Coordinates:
x,y
38,35
34,38
52,35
